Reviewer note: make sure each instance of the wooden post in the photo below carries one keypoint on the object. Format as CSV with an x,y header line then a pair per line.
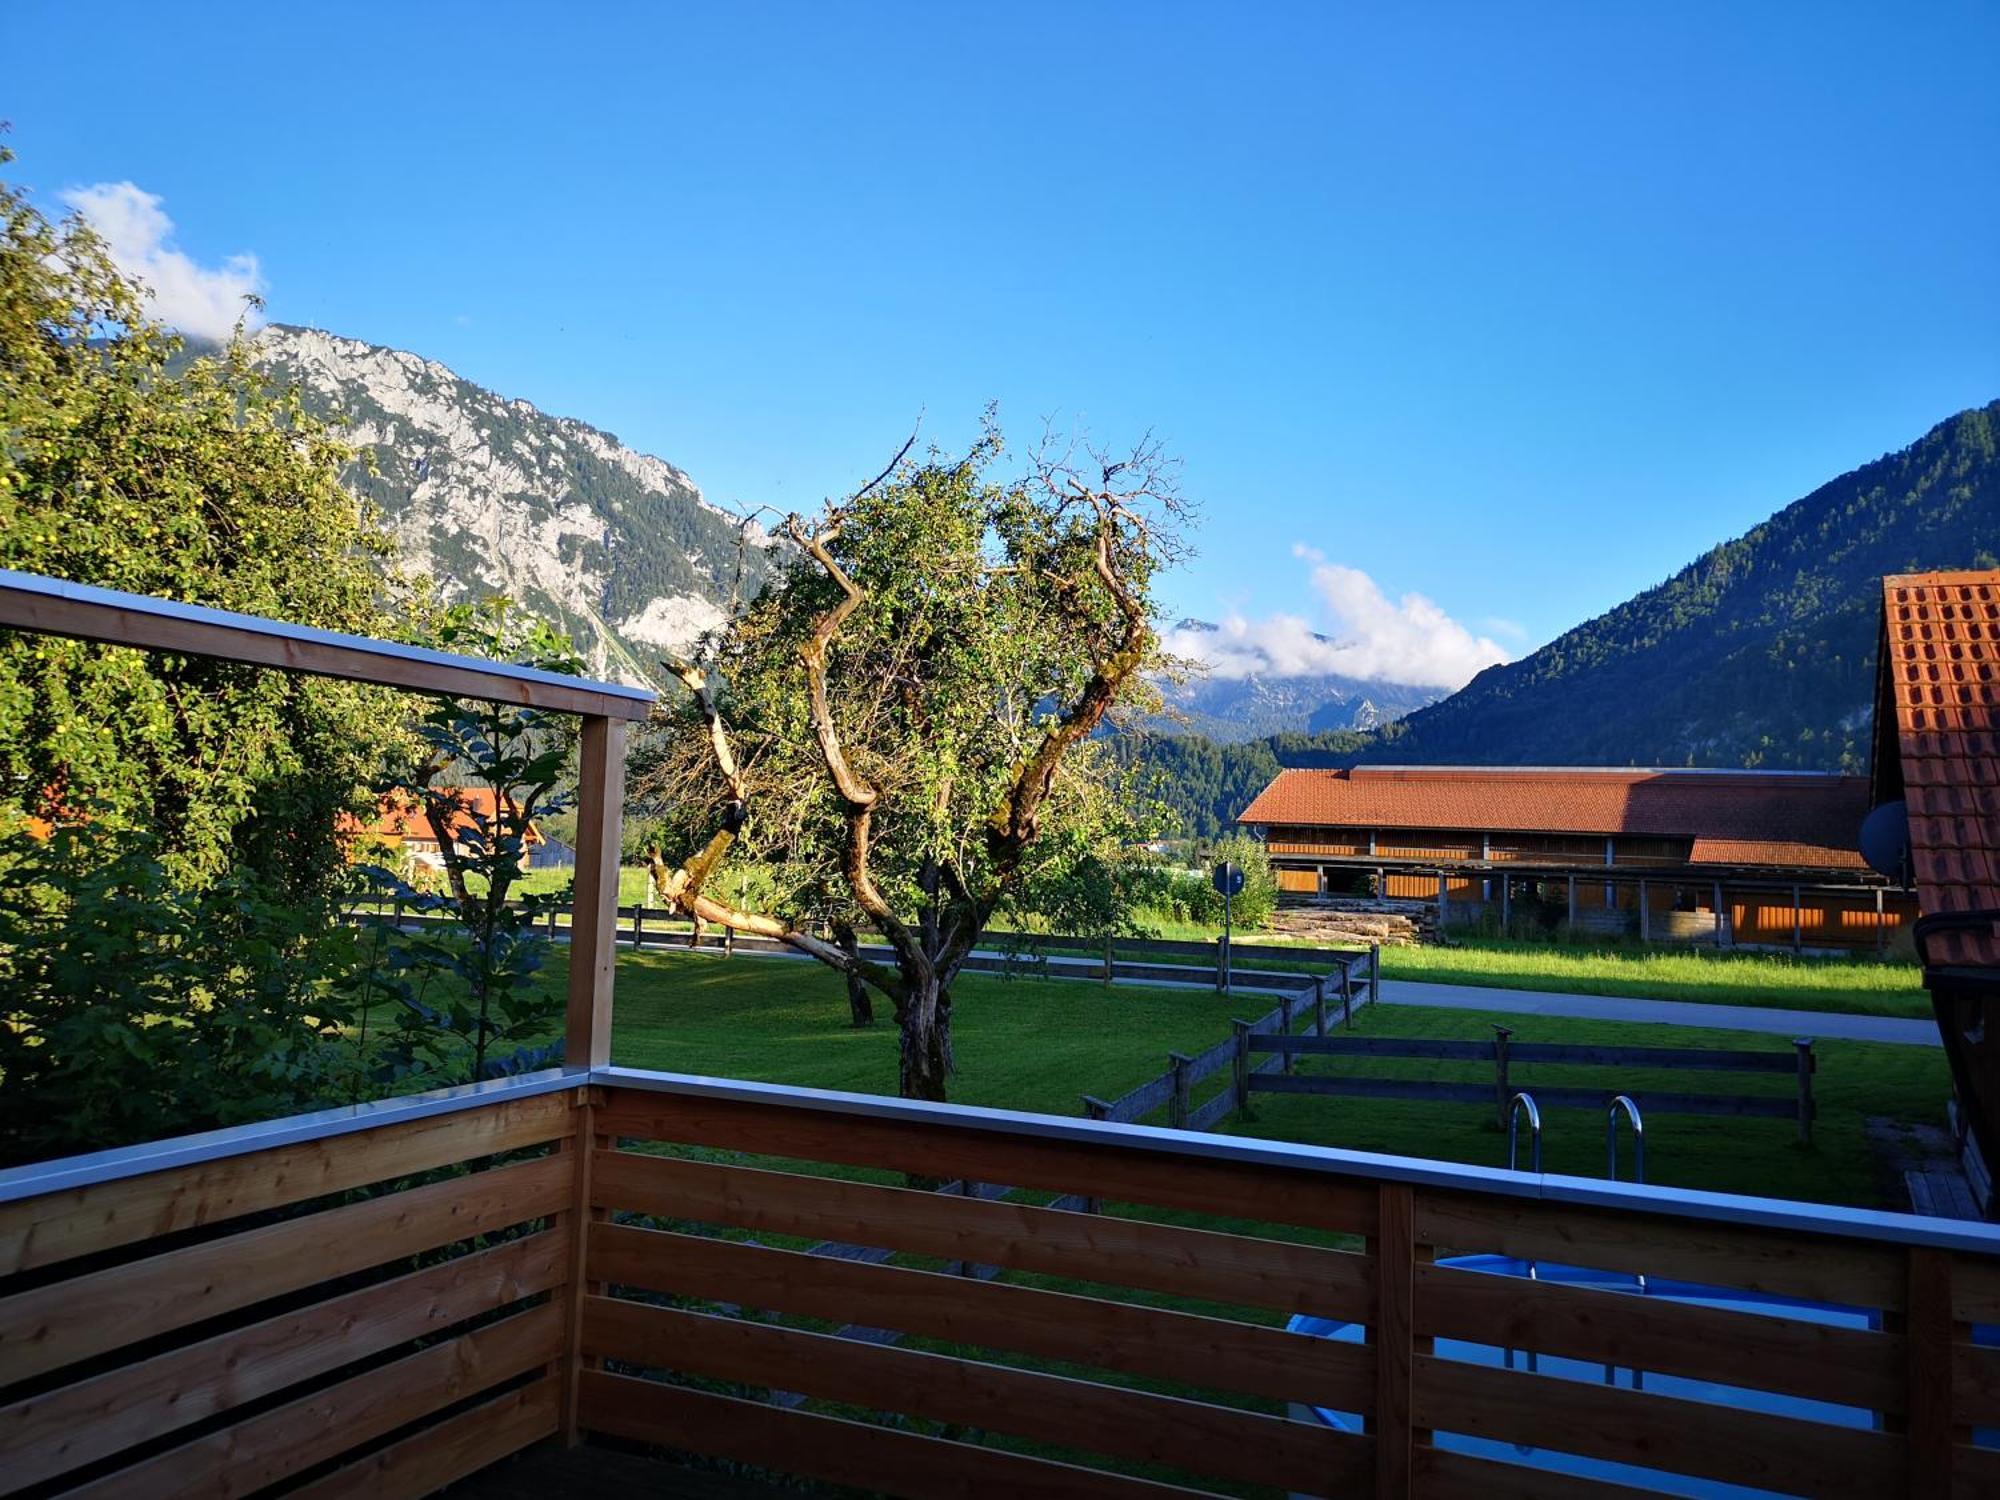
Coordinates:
x,y
1347,996
1928,1335
1285,1029
1572,901
1374,973
1177,1109
1804,1047
1444,897
1881,931
1798,922
1241,1079
1645,913
1110,942
593,953
1094,1109
582,1145
1222,965
1393,1333
1501,1036
1319,1005
1721,919
1506,902
639,925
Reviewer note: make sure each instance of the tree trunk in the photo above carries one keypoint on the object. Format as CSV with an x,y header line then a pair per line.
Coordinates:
x,y
860,1004
926,1052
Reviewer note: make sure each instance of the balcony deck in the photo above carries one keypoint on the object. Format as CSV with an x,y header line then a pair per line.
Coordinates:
x,y
387,1300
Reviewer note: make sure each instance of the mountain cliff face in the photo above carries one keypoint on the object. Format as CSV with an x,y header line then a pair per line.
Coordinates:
x,y
1761,652
491,495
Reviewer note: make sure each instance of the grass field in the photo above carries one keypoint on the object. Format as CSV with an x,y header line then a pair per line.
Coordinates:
x,y
1862,986
1041,1044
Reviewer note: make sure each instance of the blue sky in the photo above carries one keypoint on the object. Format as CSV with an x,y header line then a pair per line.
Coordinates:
x,y
1515,307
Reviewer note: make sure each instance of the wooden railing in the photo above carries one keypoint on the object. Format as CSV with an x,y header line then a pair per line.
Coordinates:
x,y
376,1302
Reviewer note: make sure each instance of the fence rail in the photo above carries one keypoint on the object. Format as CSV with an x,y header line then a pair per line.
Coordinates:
x,y
1503,1052
1357,975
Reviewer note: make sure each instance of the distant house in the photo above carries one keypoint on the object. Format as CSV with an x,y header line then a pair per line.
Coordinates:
x,y
1721,855
401,826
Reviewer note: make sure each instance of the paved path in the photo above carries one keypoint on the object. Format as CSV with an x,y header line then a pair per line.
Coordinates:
x,y
1823,1025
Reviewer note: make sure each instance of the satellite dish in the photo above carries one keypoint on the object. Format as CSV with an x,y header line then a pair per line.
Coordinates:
x,y
1885,841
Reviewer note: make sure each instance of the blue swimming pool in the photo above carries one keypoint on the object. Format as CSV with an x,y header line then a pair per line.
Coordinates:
x,y
1737,1397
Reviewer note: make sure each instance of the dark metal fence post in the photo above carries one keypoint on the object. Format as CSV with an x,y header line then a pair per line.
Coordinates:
x,y
1241,1079
639,925
1374,973
1501,1034
1285,1029
1319,1005
1094,1109
1177,1109
1804,1047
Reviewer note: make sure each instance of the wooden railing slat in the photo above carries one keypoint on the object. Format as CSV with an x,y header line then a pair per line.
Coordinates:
x,y
37,1232
1975,1385
427,1461
1246,1191
1822,1268
1441,1474
1704,1440
1089,1247
48,1327
1132,1338
1847,1366
267,1448
878,1459
78,1424
1219,1441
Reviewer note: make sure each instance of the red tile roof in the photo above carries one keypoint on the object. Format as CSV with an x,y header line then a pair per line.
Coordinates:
x,y
1789,819
1941,675
402,817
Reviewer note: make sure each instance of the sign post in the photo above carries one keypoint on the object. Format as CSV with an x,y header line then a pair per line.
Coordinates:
x,y
1228,879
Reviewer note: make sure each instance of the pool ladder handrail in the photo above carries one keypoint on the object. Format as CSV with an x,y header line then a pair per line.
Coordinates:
x,y
1524,1101
1630,1108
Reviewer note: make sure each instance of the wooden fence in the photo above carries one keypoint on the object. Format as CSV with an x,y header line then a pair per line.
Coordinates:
x,y
375,1303
1503,1052
1356,974
1052,956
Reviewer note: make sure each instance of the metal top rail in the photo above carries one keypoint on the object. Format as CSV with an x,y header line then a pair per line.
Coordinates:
x,y
54,606
69,1173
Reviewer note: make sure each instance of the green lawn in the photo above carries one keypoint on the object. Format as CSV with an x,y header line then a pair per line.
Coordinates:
x,y
1041,1044
1035,1044
1864,986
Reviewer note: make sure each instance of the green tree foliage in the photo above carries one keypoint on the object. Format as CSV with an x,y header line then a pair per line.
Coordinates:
x,y
139,1007
468,987
205,486
903,733
169,865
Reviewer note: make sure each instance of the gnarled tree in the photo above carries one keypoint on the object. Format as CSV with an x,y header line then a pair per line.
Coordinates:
x,y
899,737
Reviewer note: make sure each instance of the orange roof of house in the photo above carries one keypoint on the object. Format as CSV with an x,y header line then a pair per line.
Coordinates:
x,y
1782,818
1941,674
402,817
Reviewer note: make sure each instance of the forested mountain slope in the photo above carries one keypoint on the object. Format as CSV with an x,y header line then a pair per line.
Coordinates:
x,y
1761,652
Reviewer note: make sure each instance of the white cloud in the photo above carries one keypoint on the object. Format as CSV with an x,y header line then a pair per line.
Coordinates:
x,y
205,302
1366,634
